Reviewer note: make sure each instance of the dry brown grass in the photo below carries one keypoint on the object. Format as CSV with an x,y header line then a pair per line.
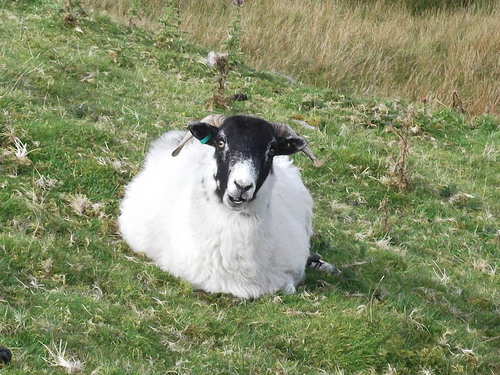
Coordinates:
x,y
370,50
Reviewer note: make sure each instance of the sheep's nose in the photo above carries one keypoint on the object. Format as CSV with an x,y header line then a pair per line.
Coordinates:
x,y
243,187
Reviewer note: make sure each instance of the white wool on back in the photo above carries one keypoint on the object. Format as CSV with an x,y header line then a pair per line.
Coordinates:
x,y
171,213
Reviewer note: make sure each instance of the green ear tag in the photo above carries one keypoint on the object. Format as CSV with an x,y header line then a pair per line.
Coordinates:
x,y
206,139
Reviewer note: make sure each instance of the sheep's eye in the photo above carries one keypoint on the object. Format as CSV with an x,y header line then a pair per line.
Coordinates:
x,y
272,151
221,144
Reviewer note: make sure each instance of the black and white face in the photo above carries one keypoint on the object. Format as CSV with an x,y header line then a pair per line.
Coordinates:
x,y
244,151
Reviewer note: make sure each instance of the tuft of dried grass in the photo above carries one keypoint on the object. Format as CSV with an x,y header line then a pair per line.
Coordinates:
x,y
14,152
82,206
59,358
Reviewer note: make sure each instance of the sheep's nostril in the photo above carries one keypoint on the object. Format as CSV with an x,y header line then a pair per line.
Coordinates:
x,y
242,187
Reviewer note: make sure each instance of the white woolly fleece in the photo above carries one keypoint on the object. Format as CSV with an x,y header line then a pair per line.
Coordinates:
x,y
171,213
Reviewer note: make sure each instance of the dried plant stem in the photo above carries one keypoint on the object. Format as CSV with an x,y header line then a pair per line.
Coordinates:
x,y
220,65
385,212
398,169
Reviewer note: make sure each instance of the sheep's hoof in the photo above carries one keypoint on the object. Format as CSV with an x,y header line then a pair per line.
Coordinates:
x,y
315,263
318,163
5,356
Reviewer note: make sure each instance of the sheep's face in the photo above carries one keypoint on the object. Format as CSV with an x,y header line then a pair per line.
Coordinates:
x,y
244,151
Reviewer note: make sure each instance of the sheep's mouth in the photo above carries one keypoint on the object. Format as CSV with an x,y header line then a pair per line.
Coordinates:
x,y
237,201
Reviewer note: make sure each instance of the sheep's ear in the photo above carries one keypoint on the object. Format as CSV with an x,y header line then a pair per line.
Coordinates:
x,y
289,145
205,133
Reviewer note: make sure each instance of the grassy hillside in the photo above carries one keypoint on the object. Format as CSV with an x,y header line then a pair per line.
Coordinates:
x,y
413,49
407,206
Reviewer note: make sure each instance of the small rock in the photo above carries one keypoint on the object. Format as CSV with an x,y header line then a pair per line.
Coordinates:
x,y
5,355
239,97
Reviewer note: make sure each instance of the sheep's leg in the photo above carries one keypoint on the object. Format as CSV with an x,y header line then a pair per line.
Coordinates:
x,y
288,289
314,262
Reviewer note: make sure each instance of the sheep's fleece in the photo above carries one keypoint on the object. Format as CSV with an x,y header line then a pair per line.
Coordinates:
x,y
171,213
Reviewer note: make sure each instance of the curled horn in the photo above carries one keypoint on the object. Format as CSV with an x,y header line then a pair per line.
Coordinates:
x,y
215,120
284,130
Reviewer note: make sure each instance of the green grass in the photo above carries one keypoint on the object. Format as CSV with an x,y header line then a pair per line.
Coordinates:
x,y
419,291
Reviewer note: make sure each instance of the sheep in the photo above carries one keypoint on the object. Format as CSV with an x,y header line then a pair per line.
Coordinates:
x,y
229,214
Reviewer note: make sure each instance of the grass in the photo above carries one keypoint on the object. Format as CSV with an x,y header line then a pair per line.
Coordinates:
x,y
414,49
79,105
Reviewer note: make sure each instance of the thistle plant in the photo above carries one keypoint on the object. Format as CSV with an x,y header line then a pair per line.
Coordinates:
x,y
170,35
134,11
232,44
222,63
220,67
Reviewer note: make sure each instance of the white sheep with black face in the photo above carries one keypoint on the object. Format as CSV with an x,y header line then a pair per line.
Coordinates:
x,y
228,214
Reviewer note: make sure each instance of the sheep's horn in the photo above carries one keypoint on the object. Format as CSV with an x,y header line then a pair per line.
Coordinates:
x,y
215,120
284,130
186,138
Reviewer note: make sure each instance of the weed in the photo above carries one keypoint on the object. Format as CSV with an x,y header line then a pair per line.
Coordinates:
x,y
398,166
232,44
385,215
222,63
457,104
134,11
220,67
170,35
